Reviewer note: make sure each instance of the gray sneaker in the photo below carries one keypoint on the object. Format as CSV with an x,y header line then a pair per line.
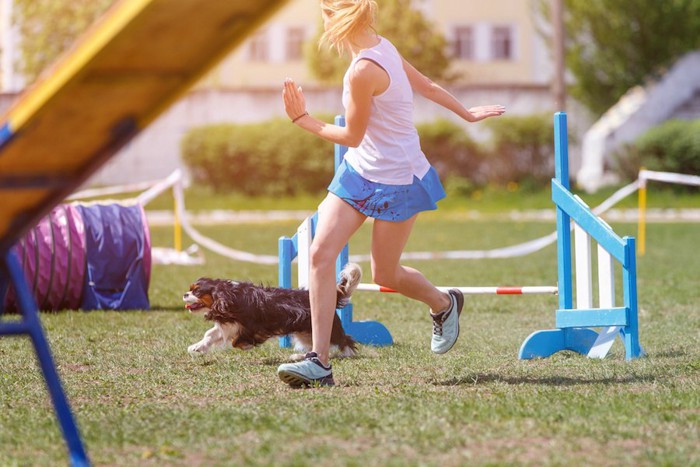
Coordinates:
x,y
446,324
308,372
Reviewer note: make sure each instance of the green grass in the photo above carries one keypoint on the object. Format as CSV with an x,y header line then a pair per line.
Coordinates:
x,y
140,399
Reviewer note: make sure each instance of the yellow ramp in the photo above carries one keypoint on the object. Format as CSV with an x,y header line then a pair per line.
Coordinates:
x,y
129,67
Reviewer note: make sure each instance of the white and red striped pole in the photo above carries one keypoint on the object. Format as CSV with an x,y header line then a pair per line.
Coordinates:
x,y
476,290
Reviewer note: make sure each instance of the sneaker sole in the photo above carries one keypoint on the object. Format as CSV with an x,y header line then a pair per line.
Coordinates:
x,y
460,304
297,380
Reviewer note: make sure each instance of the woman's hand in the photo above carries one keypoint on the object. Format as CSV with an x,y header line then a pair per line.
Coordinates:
x,y
294,100
485,111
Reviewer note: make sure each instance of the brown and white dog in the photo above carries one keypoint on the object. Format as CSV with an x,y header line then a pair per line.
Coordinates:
x,y
245,315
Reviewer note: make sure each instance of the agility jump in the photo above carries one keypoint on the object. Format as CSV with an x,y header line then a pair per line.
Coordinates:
x,y
573,323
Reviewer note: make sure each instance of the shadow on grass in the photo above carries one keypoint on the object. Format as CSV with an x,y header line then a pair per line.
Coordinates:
x,y
274,361
179,308
670,353
478,379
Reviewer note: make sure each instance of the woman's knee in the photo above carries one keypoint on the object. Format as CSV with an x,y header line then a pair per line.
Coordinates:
x,y
320,258
386,277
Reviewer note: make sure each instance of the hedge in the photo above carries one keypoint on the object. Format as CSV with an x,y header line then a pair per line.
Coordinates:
x,y
276,158
522,150
673,146
271,158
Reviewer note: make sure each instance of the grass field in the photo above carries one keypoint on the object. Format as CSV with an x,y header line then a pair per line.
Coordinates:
x,y
140,399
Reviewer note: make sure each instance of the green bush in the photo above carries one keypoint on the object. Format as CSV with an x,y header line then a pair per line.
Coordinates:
x,y
522,150
673,146
275,158
451,151
270,158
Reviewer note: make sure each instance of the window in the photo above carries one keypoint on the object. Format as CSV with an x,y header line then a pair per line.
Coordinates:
x,y
463,47
295,44
502,43
258,48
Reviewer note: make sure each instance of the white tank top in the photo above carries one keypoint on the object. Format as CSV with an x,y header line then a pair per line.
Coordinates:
x,y
390,151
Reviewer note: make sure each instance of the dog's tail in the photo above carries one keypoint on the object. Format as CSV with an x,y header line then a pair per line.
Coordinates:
x,y
350,277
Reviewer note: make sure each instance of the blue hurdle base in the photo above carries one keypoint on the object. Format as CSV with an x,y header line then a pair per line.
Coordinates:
x,y
364,332
369,333
541,344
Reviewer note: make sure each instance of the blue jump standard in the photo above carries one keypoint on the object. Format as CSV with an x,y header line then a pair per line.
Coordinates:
x,y
364,332
573,325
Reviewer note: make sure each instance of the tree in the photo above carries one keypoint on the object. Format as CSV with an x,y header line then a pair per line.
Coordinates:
x,y
412,34
614,45
49,27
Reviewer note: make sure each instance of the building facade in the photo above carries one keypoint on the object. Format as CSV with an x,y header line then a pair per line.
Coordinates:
x,y
496,51
490,43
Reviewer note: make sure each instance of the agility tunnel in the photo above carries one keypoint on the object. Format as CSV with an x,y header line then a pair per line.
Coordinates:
x,y
93,256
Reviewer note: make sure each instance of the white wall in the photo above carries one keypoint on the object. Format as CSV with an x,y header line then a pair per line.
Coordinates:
x,y
10,80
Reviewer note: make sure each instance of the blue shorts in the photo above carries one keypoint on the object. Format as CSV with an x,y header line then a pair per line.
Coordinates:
x,y
387,202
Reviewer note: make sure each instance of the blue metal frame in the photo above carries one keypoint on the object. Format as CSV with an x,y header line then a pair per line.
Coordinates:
x,y
364,332
11,273
573,325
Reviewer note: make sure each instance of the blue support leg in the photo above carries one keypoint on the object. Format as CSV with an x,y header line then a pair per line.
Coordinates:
x,y
285,251
31,325
630,333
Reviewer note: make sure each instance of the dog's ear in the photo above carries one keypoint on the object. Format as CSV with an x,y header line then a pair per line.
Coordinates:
x,y
224,298
218,302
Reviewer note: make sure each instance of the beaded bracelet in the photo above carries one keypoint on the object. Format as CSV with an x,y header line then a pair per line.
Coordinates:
x,y
300,116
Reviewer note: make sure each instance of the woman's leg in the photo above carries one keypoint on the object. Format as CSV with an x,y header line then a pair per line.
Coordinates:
x,y
388,242
337,221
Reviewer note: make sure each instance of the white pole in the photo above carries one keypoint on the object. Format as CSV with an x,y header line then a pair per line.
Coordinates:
x,y
303,249
606,297
584,276
476,290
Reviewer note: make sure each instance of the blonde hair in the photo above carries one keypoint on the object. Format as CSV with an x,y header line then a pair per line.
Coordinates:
x,y
347,18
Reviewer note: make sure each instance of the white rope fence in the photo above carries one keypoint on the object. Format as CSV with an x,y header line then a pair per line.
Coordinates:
x,y
669,177
514,251
208,243
174,181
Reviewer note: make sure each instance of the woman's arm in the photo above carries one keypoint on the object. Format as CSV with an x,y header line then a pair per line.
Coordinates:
x,y
436,93
366,80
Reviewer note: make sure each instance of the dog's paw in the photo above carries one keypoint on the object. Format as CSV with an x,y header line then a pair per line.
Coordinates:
x,y
197,349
